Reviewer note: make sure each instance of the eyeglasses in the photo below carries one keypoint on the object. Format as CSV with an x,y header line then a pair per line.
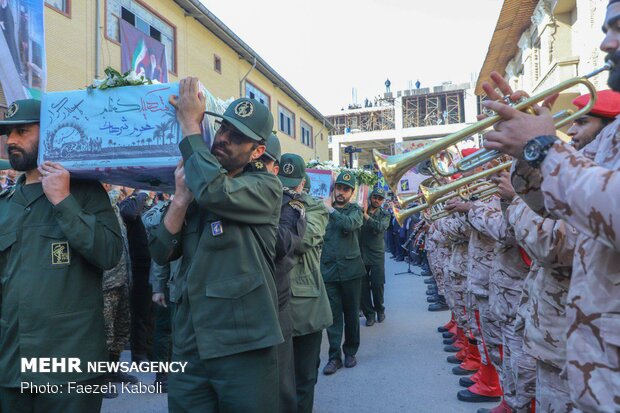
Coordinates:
x,y
234,135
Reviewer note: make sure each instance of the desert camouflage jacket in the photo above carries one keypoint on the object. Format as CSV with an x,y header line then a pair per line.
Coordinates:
x,y
508,270
551,245
458,233
481,246
584,190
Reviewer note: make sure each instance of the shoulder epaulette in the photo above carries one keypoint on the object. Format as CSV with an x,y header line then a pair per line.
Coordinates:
x,y
298,206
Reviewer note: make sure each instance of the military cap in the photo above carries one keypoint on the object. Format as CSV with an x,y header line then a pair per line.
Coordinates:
x,y
292,170
346,178
249,117
378,191
273,150
607,103
307,184
21,112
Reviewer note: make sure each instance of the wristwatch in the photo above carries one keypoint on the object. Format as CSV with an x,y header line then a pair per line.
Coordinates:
x,y
536,150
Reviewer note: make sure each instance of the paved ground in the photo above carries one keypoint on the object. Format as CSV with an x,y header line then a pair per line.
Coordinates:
x,y
401,364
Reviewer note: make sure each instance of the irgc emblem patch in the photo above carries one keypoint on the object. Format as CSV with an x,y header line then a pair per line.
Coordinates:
x,y
288,168
12,110
60,253
346,177
216,228
244,109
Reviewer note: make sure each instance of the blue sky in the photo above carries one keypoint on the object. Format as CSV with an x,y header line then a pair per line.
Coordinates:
x,y
326,48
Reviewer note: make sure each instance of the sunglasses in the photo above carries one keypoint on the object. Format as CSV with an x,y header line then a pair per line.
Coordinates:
x,y
234,135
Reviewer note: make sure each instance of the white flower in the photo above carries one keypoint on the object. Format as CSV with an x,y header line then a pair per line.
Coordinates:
x,y
111,81
155,82
98,82
133,77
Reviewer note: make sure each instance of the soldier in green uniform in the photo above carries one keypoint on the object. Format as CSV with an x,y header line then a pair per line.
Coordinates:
x,y
290,169
372,246
342,267
309,303
57,236
223,220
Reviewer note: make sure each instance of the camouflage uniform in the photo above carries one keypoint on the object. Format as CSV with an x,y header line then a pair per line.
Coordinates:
x,y
481,256
438,252
586,196
505,286
551,245
116,298
458,233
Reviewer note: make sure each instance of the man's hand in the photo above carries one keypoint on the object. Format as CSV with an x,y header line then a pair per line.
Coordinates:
x,y
504,186
190,106
56,182
455,205
182,195
160,299
511,135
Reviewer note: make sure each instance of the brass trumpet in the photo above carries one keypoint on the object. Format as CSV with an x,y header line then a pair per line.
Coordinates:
x,y
394,167
406,200
431,195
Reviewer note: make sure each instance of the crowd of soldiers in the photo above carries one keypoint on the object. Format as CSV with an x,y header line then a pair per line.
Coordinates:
x,y
531,275
236,274
253,269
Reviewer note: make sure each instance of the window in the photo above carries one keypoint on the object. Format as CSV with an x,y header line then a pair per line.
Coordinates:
x,y
306,134
286,122
63,6
142,19
253,92
217,64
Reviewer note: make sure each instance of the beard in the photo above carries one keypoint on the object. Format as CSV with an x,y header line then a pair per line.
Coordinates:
x,y
228,160
21,160
342,199
614,75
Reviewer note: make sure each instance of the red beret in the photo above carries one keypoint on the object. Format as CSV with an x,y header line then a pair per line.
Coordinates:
x,y
607,104
468,151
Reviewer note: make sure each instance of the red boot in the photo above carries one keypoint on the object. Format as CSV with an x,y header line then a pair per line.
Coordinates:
x,y
488,383
502,408
447,326
472,362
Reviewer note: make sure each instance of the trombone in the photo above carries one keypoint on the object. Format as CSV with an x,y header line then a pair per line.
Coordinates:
x,y
394,167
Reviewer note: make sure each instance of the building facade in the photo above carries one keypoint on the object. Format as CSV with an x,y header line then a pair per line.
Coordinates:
x,y
537,44
401,121
83,38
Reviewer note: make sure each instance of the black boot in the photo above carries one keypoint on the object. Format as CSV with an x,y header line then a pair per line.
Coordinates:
x,y
432,298
467,396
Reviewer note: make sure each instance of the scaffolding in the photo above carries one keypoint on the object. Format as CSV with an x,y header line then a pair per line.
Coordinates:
x,y
364,121
443,108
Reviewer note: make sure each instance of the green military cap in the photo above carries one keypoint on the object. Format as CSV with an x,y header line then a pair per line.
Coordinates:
x,y
250,117
5,164
292,170
21,112
307,184
273,150
377,191
346,178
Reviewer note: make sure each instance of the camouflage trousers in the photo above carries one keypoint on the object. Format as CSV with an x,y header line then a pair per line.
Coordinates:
x,y
438,274
518,374
117,318
552,394
457,291
489,331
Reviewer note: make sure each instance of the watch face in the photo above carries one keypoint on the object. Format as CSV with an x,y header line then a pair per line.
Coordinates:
x,y
531,151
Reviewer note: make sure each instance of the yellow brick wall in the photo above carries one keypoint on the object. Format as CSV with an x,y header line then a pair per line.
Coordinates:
x,y
71,63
